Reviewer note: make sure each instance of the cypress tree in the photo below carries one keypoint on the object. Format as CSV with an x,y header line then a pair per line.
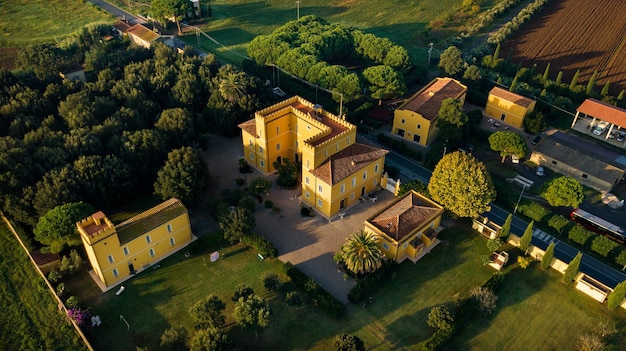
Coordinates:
x,y
513,84
547,256
574,81
546,73
572,268
617,295
524,241
506,227
559,78
543,93
591,83
620,97
496,54
605,90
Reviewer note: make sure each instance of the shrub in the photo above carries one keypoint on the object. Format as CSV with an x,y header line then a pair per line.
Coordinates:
x,y
293,299
348,342
320,296
440,318
534,211
174,339
524,261
484,298
438,339
271,281
579,234
603,245
269,204
621,258
72,302
260,245
372,281
60,289
54,276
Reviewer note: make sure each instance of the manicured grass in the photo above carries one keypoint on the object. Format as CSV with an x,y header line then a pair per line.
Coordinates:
x,y
36,21
537,312
30,317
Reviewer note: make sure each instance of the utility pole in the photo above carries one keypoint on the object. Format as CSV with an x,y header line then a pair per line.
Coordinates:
x,y
520,198
298,6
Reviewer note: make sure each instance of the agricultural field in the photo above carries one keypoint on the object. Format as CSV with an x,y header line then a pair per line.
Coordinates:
x,y
30,316
575,34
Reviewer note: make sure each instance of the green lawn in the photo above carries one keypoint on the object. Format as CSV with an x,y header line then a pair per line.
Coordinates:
x,y
27,22
537,312
30,317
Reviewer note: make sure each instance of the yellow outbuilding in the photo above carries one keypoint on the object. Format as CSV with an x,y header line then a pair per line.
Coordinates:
x,y
336,171
118,251
416,119
508,107
408,227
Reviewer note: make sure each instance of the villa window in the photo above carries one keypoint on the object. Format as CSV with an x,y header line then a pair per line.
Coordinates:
x,y
252,157
349,141
554,162
148,239
385,246
110,258
364,174
307,195
342,188
296,144
354,181
126,251
402,121
262,163
115,273
308,127
250,142
261,149
325,152
405,245
152,253
172,241
319,189
278,146
169,228
319,202
352,196
306,180
419,126
276,130
336,147
376,168
375,182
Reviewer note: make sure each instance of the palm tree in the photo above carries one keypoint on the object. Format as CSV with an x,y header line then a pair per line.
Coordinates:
x,y
361,253
232,87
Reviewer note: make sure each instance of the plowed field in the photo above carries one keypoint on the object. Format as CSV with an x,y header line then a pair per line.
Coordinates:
x,y
575,34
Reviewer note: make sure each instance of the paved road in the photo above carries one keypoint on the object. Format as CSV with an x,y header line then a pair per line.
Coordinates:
x,y
117,12
607,275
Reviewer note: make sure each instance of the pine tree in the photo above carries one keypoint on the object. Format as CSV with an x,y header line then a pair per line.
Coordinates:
x,y
506,227
547,256
546,73
574,81
524,241
559,78
591,83
572,268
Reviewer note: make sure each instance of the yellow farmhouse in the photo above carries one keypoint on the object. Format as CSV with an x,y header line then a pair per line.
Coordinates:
x,y
336,171
407,228
415,120
117,251
508,107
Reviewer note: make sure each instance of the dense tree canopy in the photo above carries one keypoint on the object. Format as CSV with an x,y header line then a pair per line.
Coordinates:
x,y
208,312
184,176
563,191
508,143
164,10
451,60
57,228
237,224
462,185
451,120
252,312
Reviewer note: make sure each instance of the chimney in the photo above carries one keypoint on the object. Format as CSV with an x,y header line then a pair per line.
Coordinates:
x,y
353,163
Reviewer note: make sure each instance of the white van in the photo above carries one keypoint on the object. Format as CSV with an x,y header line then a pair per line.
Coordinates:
x,y
600,128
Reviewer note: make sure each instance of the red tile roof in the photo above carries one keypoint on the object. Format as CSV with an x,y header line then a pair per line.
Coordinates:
x,y
346,162
123,27
512,97
427,101
250,127
603,111
406,215
143,33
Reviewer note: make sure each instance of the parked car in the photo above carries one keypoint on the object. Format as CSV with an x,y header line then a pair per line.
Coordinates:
x,y
536,139
600,128
540,171
514,159
621,136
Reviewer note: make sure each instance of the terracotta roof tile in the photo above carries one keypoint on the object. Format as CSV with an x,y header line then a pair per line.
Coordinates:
x,y
603,111
346,162
250,127
512,97
143,33
427,101
406,215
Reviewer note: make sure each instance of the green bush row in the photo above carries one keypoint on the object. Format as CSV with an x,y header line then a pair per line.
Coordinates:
x,y
321,297
260,245
372,281
400,146
599,244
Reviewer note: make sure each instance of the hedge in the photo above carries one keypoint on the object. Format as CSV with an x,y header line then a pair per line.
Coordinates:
x,y
579,234
320,296
534,211
372,281
603,245
261,245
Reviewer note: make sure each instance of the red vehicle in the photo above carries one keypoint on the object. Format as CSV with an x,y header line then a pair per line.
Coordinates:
x,y
599,225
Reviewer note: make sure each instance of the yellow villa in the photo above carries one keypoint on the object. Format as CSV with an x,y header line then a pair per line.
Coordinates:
x,y
336,171
415,120
508,107
118,251
407,228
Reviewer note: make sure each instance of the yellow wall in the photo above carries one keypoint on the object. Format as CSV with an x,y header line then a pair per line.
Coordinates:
x,y
513,114
139,250
331,196
413,124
